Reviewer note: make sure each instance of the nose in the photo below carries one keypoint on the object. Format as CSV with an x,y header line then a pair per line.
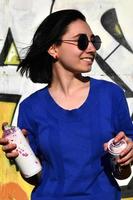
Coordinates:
x,y
91,47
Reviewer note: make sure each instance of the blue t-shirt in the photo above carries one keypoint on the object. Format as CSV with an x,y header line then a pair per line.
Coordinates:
x,y
70,142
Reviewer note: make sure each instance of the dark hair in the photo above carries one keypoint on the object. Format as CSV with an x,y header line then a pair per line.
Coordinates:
x,y
37,65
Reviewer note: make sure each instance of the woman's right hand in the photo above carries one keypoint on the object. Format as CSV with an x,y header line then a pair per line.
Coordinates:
x,y
9,149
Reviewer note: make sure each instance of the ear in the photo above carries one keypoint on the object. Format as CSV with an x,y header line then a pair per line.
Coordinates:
x,y
53,51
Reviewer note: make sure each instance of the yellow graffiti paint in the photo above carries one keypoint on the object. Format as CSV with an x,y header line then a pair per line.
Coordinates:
x,y
6,112
12,56
117,29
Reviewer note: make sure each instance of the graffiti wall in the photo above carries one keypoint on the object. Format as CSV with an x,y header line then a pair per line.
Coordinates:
x,y
111,19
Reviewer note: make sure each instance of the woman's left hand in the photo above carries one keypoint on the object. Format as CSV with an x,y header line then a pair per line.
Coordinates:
x,y
126,156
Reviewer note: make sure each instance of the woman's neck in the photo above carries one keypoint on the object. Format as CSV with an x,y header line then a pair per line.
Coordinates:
x,y
65,81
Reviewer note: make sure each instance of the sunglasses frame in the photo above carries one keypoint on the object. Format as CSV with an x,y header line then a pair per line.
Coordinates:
x,y
82,45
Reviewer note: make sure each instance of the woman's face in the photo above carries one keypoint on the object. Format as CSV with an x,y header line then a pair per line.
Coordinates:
x,y
68,53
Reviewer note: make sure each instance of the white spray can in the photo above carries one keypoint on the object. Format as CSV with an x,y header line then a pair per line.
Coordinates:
x,y
27,162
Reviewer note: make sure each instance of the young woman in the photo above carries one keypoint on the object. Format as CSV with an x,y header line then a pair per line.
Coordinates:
x,y
71,120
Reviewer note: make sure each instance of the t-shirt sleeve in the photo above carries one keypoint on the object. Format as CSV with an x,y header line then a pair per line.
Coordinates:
x,y
25,121
123,119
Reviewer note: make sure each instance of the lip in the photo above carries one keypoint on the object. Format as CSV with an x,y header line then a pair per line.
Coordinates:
x,y
87,59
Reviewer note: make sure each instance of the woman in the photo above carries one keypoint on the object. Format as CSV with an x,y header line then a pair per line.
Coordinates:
x,y
70,120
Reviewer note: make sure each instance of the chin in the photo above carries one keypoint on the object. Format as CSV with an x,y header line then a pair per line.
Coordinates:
x,y
82,70
86,70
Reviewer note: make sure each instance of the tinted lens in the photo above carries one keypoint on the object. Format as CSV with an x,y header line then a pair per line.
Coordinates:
x,y
96,41
83,42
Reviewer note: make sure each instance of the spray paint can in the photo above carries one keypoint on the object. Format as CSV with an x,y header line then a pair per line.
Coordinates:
x,y
115,149
27,162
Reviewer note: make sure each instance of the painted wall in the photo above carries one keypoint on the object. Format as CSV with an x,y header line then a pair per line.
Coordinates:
x,y
111,19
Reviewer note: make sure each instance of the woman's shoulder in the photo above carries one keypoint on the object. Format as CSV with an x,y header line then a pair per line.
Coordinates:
x,y
36,97
106,84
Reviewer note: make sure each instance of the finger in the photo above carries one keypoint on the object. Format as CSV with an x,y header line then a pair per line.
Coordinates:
x,y
105,146
24,131
128,158
4,124
126,162
127,149
9,147
121,135
125,159
3,141
12,154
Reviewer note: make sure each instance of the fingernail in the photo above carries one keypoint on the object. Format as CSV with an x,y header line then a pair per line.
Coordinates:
x,y
121,155
3,148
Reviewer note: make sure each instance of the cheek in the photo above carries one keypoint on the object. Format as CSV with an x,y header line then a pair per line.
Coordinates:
x,y
68,61
69,56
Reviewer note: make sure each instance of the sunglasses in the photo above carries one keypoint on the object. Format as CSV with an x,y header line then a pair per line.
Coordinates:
x,y
83,41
